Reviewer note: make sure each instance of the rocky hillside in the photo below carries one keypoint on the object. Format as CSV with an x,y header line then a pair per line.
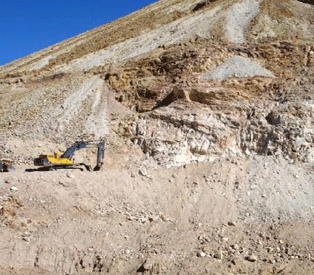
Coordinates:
x,y
185,80
176,88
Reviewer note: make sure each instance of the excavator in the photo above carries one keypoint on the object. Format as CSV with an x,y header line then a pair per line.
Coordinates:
x,y
64,160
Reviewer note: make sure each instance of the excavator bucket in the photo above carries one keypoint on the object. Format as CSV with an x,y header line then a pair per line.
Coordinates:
x,y
100,155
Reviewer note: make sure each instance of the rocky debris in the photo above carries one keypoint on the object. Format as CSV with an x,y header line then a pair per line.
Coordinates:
x,y
167,137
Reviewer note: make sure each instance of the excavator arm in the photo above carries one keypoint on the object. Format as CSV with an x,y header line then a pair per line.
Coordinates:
x,y
68,154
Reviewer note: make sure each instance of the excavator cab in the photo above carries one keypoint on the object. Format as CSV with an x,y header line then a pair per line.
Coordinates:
x,y
65,160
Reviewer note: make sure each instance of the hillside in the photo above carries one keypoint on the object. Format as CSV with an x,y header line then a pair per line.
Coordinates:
x,y
207,107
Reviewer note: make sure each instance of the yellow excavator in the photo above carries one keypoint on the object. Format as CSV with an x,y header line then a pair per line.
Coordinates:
x,y
64,160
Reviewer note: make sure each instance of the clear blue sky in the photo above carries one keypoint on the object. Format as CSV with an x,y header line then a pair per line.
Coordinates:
x,y
29,26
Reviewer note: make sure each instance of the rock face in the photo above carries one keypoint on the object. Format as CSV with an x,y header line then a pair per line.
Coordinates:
x,y
208,111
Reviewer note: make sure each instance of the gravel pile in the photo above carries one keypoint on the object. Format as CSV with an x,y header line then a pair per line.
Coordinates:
x,y
237,66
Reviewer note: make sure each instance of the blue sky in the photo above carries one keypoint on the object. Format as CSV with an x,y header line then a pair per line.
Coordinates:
x,y
29,26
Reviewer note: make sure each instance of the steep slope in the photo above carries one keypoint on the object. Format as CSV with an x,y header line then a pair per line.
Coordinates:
x,y
169,22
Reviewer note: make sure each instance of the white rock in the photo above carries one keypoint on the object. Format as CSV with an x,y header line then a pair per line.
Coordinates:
x,y
14,188
142,172
71,176
201,254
